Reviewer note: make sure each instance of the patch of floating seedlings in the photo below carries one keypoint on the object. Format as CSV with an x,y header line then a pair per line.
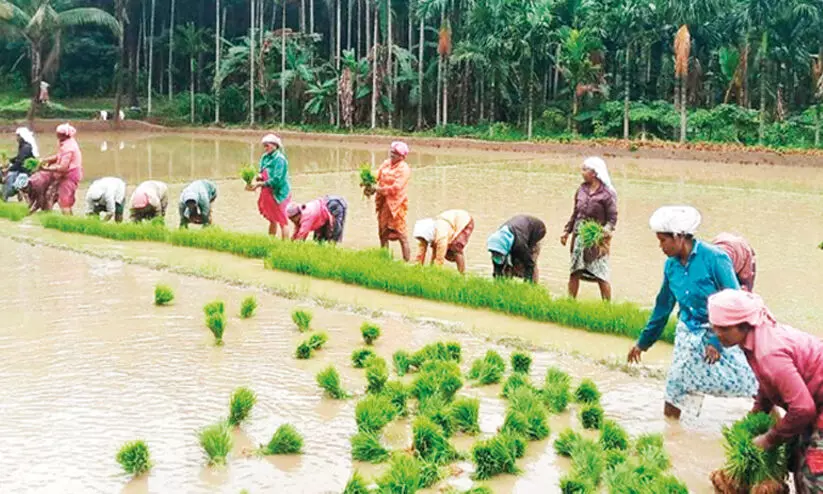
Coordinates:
x,y
240,406
163,295
402,477
248,307
521,362
430,442
216,441
398,393
285,441
134,457
526,415
370,332
587,392
302,318
437,378
366,446
359,357
402,362
497,455
466,412
515,382
216,322
329,380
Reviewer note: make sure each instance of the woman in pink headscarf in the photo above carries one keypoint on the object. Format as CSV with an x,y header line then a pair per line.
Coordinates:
x,y
742,256
392,200
67,167
789,367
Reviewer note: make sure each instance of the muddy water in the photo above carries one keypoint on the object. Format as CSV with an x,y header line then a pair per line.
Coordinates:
x,y
88,363
776,208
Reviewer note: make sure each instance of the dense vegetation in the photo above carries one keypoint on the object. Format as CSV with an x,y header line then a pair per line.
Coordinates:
x,y
744,71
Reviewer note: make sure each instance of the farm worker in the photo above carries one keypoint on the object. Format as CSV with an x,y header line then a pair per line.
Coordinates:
x,y
195,203
788,365
742,256
273,182
694,270
40,190
67,164
149,200
515,247
26,149
325,217
595,200
107,195
43,97
447,234
392,200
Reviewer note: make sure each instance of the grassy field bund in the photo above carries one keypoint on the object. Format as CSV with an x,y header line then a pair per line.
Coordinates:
x,y
375,269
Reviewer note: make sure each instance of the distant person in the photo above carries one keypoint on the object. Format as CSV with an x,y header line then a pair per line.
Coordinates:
x,y
392,200
67,165
195,203
273,182
43,96
26,149
515,247
324,217
595,200
149,200
789,367
694,270
447,235
106,195
742,256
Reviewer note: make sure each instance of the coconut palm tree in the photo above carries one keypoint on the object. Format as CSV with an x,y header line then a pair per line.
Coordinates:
x,y
192,43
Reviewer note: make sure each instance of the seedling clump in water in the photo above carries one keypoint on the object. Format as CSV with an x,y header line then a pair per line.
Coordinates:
x,y
365,446
556,390
398,393
440,412
216,441
572,484
285,441
356,485
521,362
329,380
373,412
303,351
403,476
437,378
515,382
566,441
377,373
247,307
430,442
613,436
216,322
163,295
317,340
588,461
591,416
302,318
496,455
587,392
215,307
465,413
370,332
489,369
526,415
242,401
360,356
402,362
134,458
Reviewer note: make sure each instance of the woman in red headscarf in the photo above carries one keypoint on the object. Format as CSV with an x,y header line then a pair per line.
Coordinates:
x,y
67,167
789,367
392,200
742,256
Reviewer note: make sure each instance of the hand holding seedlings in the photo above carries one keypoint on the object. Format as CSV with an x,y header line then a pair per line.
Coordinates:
x,y
761,442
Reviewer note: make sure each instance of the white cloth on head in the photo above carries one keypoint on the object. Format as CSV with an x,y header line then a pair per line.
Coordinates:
x,y
28,136
678,220
272,139
598,166
108,192
424,229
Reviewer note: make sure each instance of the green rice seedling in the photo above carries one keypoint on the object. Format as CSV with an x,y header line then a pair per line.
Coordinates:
x,y
566,441
521,362
214,307
216,441
398,393
318,340
587,392
437,378
248,174
302,318
359,357
489,369
454,351
514,382
526,415
613,436
747,464
515,442
588,461
31,164
163,295
556,396
591,233
466,412
402,362
373,412
615,457
668,484
656,460
439,410
286,440
370,332
134,457
430,473
556,376
591,416
365,446
494,456
645,442
247,307
216,323
356,485
402,477
367,180
430,443
14,211
304,351
573,484
241,403
377,373
448,351
158,222
329,380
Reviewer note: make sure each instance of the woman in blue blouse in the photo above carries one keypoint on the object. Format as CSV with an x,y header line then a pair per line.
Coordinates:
x,y
693,271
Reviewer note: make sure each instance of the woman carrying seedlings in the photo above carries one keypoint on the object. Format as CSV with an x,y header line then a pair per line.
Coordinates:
x,y
67,165
447,234
694,270
107,195
195,203
273,182
325,216
26,149
789,367
392,200
742,256
149,199
595,201
515,247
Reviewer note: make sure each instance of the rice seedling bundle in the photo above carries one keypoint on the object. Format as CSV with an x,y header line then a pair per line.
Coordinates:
x,y
615,457
446,351
526,415
370,332
489,369
398,393
216,322
481,489
240,406
566,441
590,233
329,380
373,412
367,180
591,416
556,397
646,442
587,392
14,211
31,164
214,307
430,443
247,307
365,446
402,477
285,441
514,382
402,362
466,412
521,362
248,174
359,357
573,484
430,473
495,456
613,436
304,351
377,373
216,441
588,461
318,340
134,457
356,485
437,378
668,484
302,318
440,412
163,295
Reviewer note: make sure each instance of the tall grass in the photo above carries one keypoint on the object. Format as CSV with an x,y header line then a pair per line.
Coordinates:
x,y
302,319
285,441
134,457
216,441
370,332
248,307
329,380
240,406
163,295
14,211
375,269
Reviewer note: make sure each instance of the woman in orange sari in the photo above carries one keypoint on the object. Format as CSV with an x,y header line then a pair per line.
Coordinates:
x,y
392,200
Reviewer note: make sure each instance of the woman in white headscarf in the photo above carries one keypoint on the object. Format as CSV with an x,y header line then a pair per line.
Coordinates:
x,y
694,270
595,200
447,235
26,149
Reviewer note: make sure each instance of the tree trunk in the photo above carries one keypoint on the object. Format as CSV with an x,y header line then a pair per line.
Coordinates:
x,y
337,62
217,82
358,46
368,27
171,51
151,54
482,98
191,88
389,72
374,75
420,65
302,16
627,92
445,89
121,65
283,67
556,71
439,87
252,20
762,126
530,116
36,77
311,16
684,90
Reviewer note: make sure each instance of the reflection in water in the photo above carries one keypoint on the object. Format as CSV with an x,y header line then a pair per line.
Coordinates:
x,y
89,362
